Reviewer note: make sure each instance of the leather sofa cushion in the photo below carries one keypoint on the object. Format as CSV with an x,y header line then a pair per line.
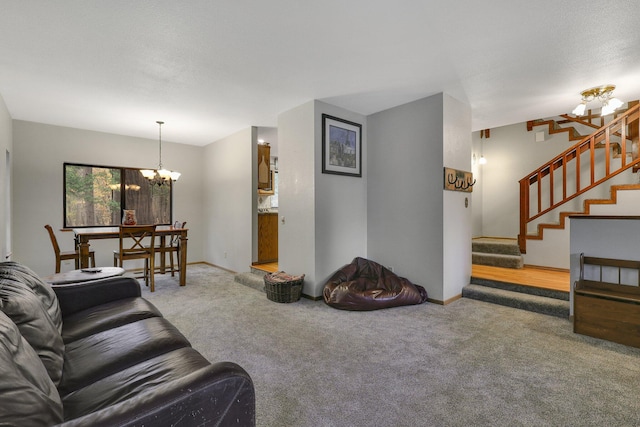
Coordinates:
x,y
28,397
43,290
97,356
106,316
132,381
21,304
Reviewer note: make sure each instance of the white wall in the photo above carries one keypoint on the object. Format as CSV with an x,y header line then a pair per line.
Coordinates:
x,y
229,200
6,151
39,153
404,194
325,215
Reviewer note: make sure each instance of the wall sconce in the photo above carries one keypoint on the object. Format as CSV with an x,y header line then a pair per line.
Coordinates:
x,y
481,161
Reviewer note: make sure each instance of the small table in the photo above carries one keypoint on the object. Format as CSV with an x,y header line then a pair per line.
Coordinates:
x,y
84,275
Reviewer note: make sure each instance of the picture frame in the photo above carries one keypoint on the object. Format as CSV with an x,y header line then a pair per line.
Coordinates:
x,y
341,146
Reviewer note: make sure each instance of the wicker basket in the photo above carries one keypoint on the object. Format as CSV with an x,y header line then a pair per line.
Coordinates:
x,y
283,287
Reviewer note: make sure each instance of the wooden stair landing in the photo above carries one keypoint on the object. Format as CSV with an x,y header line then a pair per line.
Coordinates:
x,y
558,280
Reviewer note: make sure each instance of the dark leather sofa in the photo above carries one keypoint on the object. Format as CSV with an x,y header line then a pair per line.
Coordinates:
x,y
97,354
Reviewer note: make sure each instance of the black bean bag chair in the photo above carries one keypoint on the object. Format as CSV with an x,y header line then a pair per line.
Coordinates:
x,y
366,285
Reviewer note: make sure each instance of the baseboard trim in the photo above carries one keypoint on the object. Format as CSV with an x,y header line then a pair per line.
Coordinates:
x,y
213,265
448,301
541,267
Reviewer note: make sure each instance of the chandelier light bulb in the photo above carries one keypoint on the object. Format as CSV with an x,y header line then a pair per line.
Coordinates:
x,y
579,110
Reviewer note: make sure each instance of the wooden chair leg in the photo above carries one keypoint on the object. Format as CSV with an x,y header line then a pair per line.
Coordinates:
x,y
151,273
92,259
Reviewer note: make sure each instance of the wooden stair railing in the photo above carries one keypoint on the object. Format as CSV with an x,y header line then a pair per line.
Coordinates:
x,y
577,163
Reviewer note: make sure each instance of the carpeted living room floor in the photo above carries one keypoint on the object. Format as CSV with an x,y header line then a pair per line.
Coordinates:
x,y
469,363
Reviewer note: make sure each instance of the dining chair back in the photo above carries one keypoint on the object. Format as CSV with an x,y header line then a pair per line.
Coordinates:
x,y
137,242
66,255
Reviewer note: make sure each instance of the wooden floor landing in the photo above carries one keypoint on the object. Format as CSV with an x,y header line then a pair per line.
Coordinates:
x,y
528,276
269,267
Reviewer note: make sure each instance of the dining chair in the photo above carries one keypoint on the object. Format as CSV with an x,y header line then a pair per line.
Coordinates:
x,y
172,247
67,255
137,242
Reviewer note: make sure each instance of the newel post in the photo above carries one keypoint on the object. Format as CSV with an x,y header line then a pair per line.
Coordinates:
x,y
524,214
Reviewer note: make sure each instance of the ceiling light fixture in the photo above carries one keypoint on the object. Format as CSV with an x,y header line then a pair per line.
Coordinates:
x,y
604,94
160,176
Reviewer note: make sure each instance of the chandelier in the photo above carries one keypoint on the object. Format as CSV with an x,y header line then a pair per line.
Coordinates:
x,y
604,94
160,176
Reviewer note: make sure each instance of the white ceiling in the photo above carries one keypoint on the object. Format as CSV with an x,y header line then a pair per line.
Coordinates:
x,y
209,68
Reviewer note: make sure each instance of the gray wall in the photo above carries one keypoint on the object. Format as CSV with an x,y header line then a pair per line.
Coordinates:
x,y
325,216
6,155
296,194
511,152
414,226
39,153
229,200
478,188
457,207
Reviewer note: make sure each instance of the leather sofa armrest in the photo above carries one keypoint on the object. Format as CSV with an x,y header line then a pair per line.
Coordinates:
x,y
220,394
74,297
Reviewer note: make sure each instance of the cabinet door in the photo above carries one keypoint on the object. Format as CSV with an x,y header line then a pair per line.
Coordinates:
x,y
267,238
264,166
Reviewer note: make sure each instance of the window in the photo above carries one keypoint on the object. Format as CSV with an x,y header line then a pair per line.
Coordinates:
x,y
95,196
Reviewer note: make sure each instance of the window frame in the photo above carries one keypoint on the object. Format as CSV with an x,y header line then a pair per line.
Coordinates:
x,y
123,206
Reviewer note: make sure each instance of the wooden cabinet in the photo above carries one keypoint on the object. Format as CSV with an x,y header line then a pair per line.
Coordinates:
x,y
267,237
264,167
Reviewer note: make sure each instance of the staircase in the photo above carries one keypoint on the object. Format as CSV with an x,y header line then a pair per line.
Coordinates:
x,y
496,252
576,171
545,301
554,127
587,210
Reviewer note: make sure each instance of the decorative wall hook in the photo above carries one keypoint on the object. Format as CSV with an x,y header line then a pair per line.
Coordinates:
x,y
457,180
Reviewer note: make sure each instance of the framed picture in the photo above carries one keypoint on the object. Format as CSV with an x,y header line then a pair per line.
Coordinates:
x,y
341,146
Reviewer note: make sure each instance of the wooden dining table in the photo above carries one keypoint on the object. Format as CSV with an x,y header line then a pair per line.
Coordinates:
x,y
85,235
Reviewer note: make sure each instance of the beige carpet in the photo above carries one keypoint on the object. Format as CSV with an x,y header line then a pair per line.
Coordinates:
x,y
469,363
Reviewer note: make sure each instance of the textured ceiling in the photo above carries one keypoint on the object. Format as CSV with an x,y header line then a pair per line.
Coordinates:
x,y
211,68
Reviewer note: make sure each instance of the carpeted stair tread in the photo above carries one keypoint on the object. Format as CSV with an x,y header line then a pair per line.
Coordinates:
x,y
531,290
250,279
496,246
497,260
535,303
